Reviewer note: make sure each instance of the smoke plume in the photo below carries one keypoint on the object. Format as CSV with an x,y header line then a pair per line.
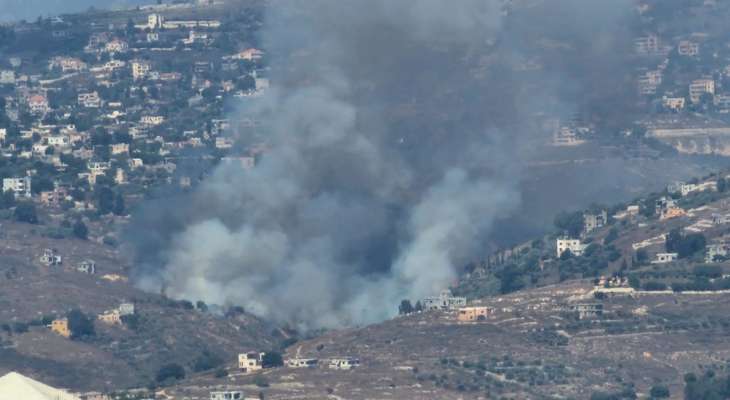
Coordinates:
x,y
395,137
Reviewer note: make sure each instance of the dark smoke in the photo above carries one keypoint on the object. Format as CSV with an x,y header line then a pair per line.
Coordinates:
x,y
398,133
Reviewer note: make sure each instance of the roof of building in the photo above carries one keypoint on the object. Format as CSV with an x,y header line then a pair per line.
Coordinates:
x,y
15,386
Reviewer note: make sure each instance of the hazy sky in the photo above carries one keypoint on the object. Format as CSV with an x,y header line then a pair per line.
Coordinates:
x,y
13,10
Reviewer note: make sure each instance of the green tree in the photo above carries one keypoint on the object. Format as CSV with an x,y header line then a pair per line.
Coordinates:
x,y
80,230
104,200
80,325
721,184
405,307
659,392
119,207
26,212
170,372
272,359
7,200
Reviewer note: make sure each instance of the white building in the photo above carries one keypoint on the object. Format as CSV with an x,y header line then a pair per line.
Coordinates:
x,y
89,100
647,45
688,48
126,309
344,363
716,250
673,103
302,363
21,187
38,104
152,119
250,362
663,258
117,46
140,69
7,77
698,87
87,267
444,301
226,395
574,245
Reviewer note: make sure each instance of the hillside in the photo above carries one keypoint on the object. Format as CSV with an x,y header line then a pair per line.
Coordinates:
x,y
118,356
530,348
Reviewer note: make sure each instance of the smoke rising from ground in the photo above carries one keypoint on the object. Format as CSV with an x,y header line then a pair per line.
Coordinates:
x,y
395,141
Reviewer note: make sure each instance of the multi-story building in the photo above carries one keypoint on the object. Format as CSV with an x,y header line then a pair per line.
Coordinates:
x,y
250,362
647,45
89,100
111,317
344,363
140,69
444,301
302,363
592,222
673,103
38,104
688,48
117,46
226,395
699,87
574,245
21,187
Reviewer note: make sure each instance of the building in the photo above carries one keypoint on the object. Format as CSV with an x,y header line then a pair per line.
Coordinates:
x,y
89,100
584,310
250,362
687,188
672,212
688,48
444,301
663,258
302,363
152,119
50,258
126,309
700,87
120,148
87,267
647,45
38,104
574,245
140,69
60,326
591,222
241,162
473,314
673,103
649,81
111,317
116,46
344,363
227,395
249,55
7,77
223,143
21,187
716,252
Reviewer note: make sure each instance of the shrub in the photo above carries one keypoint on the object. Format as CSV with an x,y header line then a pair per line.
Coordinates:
x,y
170,372
80,325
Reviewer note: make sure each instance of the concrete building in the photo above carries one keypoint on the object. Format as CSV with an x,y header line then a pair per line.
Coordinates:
x,y
126,309
226,395
591,222
38,104
673,103
688,48
700,87
87,267
111,317
585,310
7,77
647,45
140,69
60,326
444,301
302,363
89,100
716,252
649,81
344,363
116,46
50,258
664,258
21,187
473,314
574,245
250,362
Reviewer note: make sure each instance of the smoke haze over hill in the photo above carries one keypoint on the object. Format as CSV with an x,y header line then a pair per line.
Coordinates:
x,y
357,205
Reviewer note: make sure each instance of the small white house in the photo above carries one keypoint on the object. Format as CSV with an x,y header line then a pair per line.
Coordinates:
x,y
226,395
344,363
663,258
302,363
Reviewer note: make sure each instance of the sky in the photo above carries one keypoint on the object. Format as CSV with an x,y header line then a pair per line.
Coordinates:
x,y
15,10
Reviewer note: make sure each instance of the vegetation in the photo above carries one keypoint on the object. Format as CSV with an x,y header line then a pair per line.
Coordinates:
x,y
170,372
81,326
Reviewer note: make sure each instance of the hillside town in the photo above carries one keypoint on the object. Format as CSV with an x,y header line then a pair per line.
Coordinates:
x,y
103,111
